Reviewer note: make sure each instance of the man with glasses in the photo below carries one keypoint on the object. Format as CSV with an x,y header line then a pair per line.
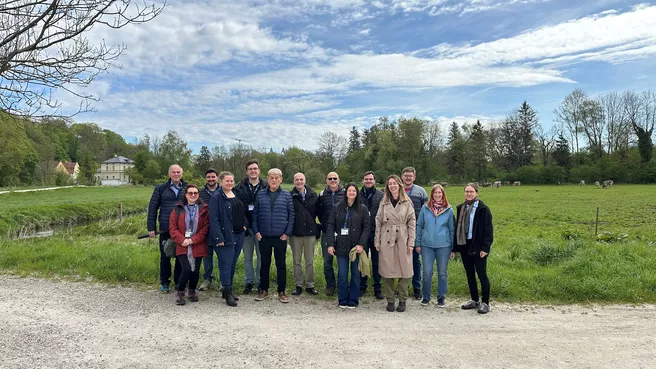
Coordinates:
x,y
331,195
164,198
247,191
419,197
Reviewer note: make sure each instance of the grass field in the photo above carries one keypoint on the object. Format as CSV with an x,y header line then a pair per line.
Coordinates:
x,y
27,211
544,250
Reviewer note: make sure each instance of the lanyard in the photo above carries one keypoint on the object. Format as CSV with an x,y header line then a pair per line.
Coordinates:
x,y
346,219
333,193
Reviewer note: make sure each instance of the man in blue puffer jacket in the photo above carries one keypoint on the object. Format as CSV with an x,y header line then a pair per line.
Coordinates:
x,y
273,224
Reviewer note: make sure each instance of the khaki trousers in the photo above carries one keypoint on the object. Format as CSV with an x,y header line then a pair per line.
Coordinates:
x,y
388,288
303,247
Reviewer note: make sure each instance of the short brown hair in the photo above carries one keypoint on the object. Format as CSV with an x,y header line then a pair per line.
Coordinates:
x,y
409,169
369,172
252,161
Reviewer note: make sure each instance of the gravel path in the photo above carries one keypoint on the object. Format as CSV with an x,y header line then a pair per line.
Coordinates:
x,y
55,324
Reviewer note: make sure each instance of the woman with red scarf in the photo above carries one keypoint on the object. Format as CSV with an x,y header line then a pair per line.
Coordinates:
x,y
435,227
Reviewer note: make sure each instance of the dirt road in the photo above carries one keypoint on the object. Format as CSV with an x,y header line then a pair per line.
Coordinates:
x,y
51,324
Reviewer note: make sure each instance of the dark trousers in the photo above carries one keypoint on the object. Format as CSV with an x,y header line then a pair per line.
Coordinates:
x,y
416,268
279,248
187,275
348,292
165,263
227,256
374,268
328,269
474,265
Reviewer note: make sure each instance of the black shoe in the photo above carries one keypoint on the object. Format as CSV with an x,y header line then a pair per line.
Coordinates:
x,y
248,289
379,295
227,295
312,291
417,294
425,302
471,304
297,291
390,307
233,295
401,307
330,291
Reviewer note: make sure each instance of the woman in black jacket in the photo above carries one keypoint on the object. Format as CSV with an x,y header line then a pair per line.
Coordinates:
x,y
473,238
348,227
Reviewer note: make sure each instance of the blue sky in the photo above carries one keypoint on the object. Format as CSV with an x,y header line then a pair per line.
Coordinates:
x,y
281,73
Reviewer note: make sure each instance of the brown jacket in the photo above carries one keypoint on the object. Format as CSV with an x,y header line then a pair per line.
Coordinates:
x,y
395,232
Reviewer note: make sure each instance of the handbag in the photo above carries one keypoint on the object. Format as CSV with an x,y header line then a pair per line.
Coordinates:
x,y
169,248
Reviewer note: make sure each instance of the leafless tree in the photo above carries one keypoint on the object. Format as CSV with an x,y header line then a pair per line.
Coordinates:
x,y
569,115
546,141
43,48
593,125
640,113
617,129
334,145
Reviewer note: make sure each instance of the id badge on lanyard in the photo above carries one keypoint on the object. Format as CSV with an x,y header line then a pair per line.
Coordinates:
x,y
345,230
251,207
188,234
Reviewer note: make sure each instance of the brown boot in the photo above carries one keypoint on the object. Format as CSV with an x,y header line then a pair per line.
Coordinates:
x,y
180,298
193,297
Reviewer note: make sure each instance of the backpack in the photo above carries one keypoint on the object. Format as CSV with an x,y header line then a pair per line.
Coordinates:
x,y
169,245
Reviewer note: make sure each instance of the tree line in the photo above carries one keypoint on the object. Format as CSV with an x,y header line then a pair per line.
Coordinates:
x,y
608,137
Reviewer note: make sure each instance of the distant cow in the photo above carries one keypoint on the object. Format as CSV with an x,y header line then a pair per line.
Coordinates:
x,y
582,183
608,183
506,183
444,184
487,184
597,184
517,183
496,184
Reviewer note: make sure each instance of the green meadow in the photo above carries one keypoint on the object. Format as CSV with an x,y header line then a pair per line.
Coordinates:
x,y
545,250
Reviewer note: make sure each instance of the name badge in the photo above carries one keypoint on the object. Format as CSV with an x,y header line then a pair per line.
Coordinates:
x,y
344,231
187,234
251,207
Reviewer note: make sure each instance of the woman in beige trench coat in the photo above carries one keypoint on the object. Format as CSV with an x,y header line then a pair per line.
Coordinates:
x,y
395,240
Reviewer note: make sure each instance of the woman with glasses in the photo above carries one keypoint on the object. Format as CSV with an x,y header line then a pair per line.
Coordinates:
x,y
473,238
189,226
227,229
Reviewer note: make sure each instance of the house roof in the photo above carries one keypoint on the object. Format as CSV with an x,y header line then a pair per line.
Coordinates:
x,y
118,159
70,166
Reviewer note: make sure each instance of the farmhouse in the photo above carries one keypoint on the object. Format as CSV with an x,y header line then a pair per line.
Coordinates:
x,y
69,167
112,171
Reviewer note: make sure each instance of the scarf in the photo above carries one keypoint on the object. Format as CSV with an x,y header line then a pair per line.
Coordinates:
x,y
435,207
191,224
463,221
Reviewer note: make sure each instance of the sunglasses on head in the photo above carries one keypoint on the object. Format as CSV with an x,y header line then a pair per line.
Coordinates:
x,y
332,179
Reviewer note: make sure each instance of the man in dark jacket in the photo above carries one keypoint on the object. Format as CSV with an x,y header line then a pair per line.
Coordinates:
x,y
304,234
206,193
273,224
164,198
247,191
330,196
371,198
419,197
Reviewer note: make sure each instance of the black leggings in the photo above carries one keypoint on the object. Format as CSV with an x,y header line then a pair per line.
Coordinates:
x,y
187,275
474,264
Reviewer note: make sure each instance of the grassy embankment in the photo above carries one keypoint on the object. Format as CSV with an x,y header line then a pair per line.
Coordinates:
x,y
536,257
26,211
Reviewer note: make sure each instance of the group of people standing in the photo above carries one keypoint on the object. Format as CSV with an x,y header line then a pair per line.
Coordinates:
x,y
382,236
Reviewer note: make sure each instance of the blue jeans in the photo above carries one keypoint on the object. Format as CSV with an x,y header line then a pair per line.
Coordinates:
x,y
227,256
328,270
208,261
251,245
416,268
348,292
429,257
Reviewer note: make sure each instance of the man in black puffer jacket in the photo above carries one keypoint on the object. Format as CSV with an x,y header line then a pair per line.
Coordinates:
x,y
330,196
371,197
164,198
